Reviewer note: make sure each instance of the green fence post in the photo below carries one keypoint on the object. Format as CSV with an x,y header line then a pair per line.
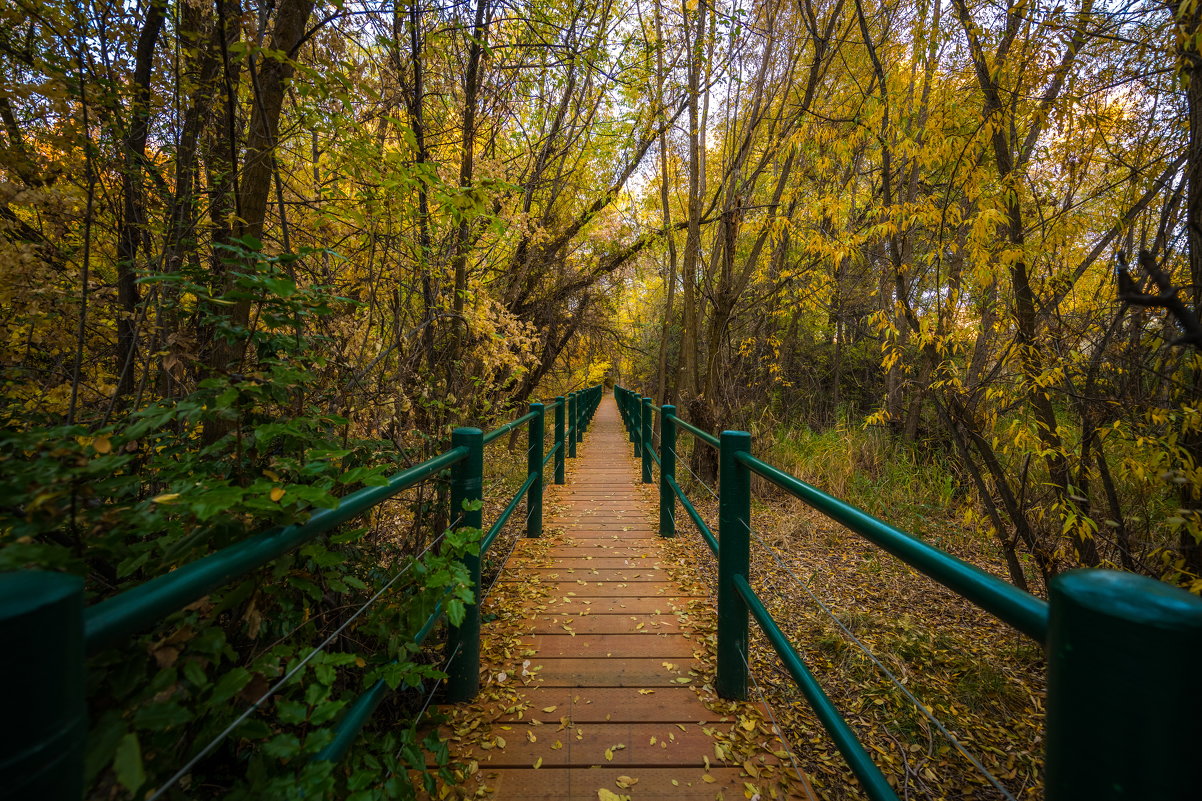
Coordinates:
x,y
534,465
559,443
645,437
571,433
734,528
1123,699
667,471
578,420
463,641
45,723
632,421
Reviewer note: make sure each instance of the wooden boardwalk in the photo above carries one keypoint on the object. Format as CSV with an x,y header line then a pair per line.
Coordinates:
x,y
593,682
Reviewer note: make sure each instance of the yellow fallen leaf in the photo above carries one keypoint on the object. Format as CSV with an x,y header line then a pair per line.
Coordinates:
x,y
646,692
538,763
556,745
609,755
625,782
530,736
499,741
748,724
549,708
276,494
751,769
707,778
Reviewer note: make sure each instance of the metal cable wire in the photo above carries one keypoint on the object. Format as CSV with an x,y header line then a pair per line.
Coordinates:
x,y
697,478
287,676
993,780
504,562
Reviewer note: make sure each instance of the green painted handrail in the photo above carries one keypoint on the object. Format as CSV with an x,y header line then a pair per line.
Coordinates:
x,y
514,502
112,620
702,526
505,429
873,781
1020,609
707,438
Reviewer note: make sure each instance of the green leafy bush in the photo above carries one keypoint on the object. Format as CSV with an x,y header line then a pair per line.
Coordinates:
x,y
132,499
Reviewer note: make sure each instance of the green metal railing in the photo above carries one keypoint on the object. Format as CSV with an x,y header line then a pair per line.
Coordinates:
x,y
43,617
1123,650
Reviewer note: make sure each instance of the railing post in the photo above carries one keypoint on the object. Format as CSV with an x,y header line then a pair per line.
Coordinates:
x,y
632,421
463,641
578,422
628,421
645,436
534,465
45,721
667,470
559,443
1123,699
572,403
734,528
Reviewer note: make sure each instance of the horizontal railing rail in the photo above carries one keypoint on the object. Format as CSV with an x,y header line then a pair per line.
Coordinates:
x,y
1122,649
43,616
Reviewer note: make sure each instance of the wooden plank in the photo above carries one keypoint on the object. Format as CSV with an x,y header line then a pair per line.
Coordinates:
x,y
606,624
596,744
576,604
642,672
613,646
600,704
654,784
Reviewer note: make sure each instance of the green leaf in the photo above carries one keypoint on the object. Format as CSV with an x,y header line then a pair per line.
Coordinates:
x,y
127,763
291,711
282,746
160,717
455,611
231,683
